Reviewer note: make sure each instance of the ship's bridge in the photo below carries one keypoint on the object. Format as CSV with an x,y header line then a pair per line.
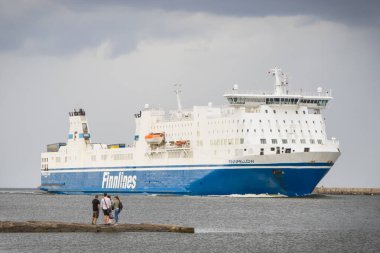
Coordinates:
x,y
280,96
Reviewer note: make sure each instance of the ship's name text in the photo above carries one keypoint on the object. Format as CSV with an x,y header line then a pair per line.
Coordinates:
x,y
240,161
118,181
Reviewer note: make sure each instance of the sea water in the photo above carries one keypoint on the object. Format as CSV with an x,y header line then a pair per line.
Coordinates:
x,y
222,223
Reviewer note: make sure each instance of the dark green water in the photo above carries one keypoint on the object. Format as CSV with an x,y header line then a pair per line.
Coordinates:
x,y
222,224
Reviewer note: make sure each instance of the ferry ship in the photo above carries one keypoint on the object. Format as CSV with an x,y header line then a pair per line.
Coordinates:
x,y
259,143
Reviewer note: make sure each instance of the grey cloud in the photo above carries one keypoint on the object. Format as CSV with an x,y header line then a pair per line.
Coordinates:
x,y
366,12
67,27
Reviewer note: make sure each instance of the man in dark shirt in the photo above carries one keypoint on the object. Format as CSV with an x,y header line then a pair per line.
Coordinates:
x,y
95,209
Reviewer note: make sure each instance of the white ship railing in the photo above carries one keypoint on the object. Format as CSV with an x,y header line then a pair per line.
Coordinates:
x,y
332,142
300,93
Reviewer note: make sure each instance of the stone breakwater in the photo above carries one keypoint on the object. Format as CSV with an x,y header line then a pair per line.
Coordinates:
x,y
347,191
52,226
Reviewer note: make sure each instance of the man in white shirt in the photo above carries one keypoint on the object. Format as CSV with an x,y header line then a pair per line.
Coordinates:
x,y
106,207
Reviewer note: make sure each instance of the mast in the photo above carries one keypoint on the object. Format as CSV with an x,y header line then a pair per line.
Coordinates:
x,y
279,85
177,92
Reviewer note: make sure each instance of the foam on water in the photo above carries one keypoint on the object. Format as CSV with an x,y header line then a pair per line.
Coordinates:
x,y
257,196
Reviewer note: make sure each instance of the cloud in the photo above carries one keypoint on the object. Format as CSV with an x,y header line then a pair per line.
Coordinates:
x,y
67,27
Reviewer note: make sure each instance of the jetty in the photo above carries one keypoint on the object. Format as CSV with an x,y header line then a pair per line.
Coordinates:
x,y
53,226
347,191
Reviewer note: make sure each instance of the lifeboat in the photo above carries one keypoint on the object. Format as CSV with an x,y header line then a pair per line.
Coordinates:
x,y
155,138
181,143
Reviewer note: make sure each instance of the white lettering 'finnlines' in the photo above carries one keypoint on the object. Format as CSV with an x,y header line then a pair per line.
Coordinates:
x,y
118,181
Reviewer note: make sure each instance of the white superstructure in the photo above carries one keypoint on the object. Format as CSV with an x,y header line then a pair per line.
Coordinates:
x,y
261,127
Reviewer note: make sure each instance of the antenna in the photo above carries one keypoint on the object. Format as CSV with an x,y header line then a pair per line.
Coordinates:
x,y
177,92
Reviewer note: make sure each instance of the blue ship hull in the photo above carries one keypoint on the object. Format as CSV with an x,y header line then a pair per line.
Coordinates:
x,y
293,179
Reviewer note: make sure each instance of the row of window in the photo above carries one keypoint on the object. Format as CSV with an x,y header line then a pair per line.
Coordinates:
x,y
271,150
115,157
236,141
179,154
254,130
285,141
93,157
173,125
270,101
223,122
239,141
274,112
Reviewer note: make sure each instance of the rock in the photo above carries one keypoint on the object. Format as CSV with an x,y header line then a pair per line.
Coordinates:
x,y
52,226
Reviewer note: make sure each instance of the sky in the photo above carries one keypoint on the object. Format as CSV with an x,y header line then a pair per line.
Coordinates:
x,y
112,57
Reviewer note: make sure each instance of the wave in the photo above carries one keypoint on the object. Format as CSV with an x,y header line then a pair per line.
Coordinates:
x,y
220,230
22,191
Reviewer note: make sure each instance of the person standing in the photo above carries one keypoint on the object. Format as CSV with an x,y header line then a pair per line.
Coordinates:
x,y
110,210
95,209
116,203
106,206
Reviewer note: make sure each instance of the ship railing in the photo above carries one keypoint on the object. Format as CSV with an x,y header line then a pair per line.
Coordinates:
x,y
334,142
177,116
169,149
300,93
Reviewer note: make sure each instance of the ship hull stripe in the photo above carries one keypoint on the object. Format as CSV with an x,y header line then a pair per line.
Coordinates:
x,y
275,180
200,166
76,170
